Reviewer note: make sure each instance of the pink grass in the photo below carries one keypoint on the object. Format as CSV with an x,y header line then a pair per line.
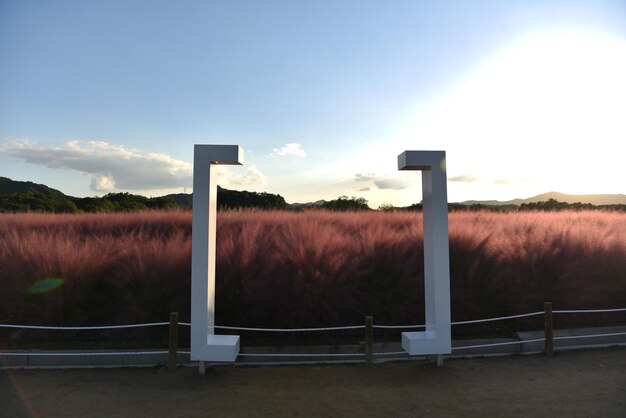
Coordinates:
x,y
314,268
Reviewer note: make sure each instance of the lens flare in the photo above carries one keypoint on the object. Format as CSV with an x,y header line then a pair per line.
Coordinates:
x,y
45,285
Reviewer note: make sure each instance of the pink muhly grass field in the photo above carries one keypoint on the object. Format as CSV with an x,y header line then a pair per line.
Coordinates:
x,y
316,268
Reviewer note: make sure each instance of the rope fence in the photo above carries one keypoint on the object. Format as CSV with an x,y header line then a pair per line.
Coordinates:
x,y
188,324
548,339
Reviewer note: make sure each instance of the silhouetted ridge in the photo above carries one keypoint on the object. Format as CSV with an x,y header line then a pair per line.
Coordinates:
x,y
22,196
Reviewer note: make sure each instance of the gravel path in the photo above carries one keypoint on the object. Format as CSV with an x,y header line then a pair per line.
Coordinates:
x,y
589,383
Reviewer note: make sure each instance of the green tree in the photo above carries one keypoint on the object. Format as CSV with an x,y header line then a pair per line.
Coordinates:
x,y
386,207
344,204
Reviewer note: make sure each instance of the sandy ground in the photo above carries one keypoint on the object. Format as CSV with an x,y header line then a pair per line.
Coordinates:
x,y
590,383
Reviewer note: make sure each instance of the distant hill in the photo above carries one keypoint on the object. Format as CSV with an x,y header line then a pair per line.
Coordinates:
x,y
184,200
25,196
594,199
317,203
8,186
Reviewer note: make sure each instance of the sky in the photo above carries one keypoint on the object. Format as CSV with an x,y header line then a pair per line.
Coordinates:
x,y
524,96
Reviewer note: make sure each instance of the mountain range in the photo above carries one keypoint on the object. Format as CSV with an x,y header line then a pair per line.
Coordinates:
x,y
594,199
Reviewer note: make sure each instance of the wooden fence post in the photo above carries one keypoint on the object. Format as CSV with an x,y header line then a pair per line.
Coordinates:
x,y
171,362
548,329
369,340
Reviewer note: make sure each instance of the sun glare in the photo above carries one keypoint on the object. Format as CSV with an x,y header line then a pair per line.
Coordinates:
x,y
544,114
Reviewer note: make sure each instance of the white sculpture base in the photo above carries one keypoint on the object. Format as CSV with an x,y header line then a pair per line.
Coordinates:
x,y
221,348
424,343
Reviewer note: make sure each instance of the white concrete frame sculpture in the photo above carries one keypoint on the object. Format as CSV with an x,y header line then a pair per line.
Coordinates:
x,y
436,337
205,345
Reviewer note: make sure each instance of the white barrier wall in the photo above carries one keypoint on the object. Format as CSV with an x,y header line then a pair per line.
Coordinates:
x,y
205,345
436,338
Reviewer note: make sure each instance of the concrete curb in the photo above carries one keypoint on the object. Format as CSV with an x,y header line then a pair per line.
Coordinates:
x,y
573,343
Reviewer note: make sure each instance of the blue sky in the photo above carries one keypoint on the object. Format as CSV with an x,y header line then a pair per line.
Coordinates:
x,y
524,96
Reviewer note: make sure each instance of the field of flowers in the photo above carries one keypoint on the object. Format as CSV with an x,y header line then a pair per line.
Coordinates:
x,y
317,268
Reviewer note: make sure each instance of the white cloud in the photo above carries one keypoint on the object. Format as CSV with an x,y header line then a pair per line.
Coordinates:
x,y
111,167
365,176
289,149
383,182
102,183
464,178
252,177
516,180
503,181
115,167
392,183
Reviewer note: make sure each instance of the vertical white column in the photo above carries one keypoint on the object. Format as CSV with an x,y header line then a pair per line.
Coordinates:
x,y
205,345
436,339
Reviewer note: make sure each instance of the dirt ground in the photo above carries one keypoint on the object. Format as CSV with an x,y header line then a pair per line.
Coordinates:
x,y
590,383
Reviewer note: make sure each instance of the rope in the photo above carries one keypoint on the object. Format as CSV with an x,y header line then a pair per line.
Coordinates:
x,y
130,353
153,324
302,355
573,337
588,311
475,321
398,326
497,344
288,329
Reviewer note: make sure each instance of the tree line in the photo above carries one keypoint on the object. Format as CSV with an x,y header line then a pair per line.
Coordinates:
x,y
16,196
551,205
38,201
35,201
